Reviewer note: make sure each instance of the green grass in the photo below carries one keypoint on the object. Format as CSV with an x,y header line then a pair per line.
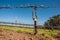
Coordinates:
x,y
30,30
47,33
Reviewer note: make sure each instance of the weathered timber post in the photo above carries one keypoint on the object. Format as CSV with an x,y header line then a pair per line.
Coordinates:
x,y
34,16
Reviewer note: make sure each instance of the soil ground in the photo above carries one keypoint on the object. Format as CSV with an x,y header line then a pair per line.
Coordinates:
x,y
13,35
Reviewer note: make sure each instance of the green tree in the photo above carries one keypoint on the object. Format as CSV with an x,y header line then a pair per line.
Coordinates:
x,y
53,21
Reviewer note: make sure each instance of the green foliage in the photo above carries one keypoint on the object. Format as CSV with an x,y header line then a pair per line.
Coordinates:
x,y
53,21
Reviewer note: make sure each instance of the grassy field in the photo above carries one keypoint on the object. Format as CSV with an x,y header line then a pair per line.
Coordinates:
x,y
30,30
46,32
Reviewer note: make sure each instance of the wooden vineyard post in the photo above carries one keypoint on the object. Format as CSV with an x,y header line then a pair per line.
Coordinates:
x,y
34,16
35,26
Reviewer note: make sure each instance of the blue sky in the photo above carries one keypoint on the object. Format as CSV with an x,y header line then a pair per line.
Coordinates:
x,y
25,14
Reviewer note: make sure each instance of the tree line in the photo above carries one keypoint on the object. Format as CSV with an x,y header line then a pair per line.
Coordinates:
x,y
53,22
